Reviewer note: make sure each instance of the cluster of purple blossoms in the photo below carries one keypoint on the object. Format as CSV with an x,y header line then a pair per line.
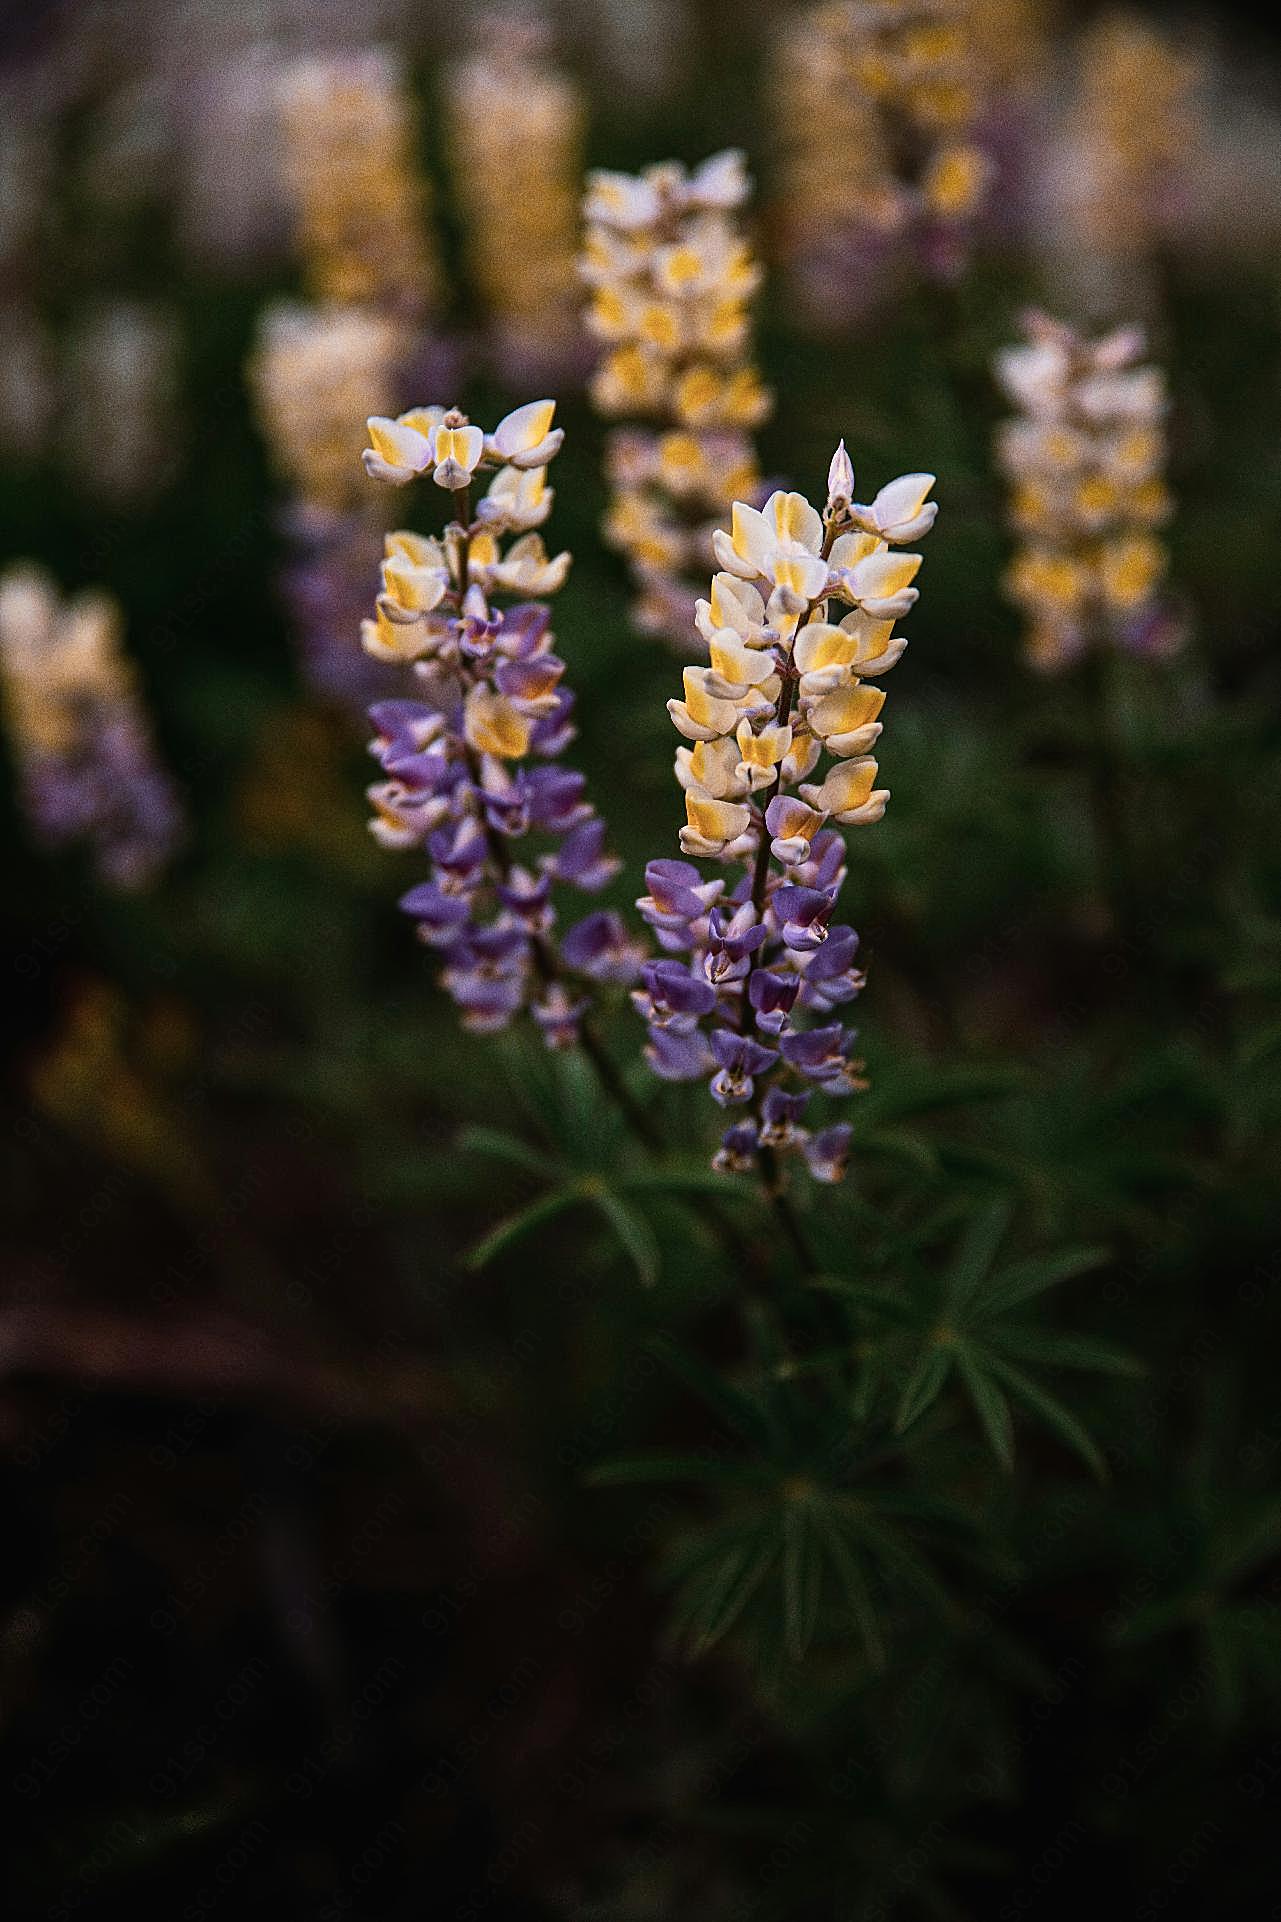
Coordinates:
x,y
471,762
730,1006
88,766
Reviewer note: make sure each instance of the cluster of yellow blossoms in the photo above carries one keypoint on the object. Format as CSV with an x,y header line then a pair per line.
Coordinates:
x,y
1085,459
521,237
671,281
785,684
1139,133
314,371
361,199
877,110
419,571
1011,44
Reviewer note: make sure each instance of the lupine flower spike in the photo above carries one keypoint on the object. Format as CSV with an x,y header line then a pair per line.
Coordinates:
x,y
1085,459
470,762
509,99
781,723
88,765
362,201
1139,134
671,280
878,104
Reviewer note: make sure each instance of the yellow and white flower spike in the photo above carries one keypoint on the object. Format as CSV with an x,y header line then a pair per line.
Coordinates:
x,y
784,689
1084,462
670,281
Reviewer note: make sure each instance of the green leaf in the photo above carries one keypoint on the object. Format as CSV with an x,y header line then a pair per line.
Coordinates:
x,y
721,1600
893,1308
1023,1280
984,1232
901,1557
802,1579
1051,1411
853,1587
923,1386
990,1406
517,1226
1065,1351
633,1231
504,1147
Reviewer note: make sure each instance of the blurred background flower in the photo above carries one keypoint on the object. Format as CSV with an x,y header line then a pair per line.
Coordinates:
x,y
429,1482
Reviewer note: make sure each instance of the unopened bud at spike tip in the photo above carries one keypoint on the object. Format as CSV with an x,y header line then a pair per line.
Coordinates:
x,y
840,480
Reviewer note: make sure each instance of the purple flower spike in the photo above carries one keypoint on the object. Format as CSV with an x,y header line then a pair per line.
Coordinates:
x,y
737,1152
522,629
825,867
488,997
673,998
677,1057
772,996
829,977
505,799
732,940
556,801
828,1152
823,1055
740,1060
459,856
529,681
600,946
677,902
470,766
802,915
402,727
581,859
527,898
819,1052
559,1017
781,1116
439,915
553,733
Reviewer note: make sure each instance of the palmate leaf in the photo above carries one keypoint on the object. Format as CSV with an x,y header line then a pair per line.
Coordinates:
x,y
853,1586
1065,1351
1051,1411
1022,1281
713,1598
897,1556
632,1231
802,1578
807,1556
515,1228
923,1385
984,1232
500,1146
990,1405
629,1228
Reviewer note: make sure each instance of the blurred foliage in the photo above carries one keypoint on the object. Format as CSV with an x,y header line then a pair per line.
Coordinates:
x,y
384,1431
